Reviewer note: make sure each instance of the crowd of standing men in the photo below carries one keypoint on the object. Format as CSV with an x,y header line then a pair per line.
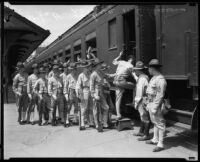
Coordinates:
x,y
60,86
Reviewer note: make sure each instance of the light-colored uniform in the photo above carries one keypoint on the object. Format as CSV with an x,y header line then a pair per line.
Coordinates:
x,y
40,88
96,89
20,89
156,91
140,97
70,90
83,91
34,101
55,87
63,112
123,71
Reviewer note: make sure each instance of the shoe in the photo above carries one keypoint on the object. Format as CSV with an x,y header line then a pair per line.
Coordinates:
x,y
32,123
100,129
144,138
92,126
82,128
45,123
40,124
23,122
150,142
119,118
157,149
66,125
28,122
138,134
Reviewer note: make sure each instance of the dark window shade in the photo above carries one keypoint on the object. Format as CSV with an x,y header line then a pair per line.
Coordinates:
x,y
112,33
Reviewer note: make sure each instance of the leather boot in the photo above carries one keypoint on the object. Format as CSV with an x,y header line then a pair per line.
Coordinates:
x,y
146,132
141,130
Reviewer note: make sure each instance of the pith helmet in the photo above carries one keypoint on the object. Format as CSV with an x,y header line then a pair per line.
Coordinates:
x,y
154,62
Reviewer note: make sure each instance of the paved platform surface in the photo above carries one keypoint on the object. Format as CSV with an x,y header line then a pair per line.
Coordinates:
x,y
48,141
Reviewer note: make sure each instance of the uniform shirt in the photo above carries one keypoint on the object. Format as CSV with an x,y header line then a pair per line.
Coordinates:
x,y
124,68
20,83
63,77
69,83
96,83
31,82
141,87
50,74
82,82
54,86
41,86
156,91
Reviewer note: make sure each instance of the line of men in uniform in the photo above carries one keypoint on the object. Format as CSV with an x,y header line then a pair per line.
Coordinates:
x,y
88,92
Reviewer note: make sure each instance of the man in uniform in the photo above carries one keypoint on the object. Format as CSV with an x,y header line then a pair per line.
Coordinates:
x,y
63,77
156,92
140,101
40,88
106,90
20,89
33,98
55,87
100,104
83,93
124,71
51,73
70,92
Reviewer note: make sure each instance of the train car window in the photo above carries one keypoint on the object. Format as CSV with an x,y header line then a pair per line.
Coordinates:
x,y
68,52
112,33
91,43
77,52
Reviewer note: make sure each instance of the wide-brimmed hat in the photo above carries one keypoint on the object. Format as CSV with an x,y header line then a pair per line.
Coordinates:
x,y
85,64
55,62
65,65
72,66
154,63
35,66
42,70
20,65
97,62
55,67
45,65
104,66
139,65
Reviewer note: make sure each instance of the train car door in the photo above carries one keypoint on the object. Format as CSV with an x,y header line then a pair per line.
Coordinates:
x,y
129,33
145,27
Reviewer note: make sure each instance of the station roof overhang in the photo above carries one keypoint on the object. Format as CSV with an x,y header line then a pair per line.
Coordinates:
x,y
21,36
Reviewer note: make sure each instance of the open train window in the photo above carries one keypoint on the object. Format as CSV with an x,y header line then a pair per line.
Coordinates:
x,y
77,52
67,58
91,42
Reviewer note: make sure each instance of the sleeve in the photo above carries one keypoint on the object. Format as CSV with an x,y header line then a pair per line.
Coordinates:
x,y
141,87
15,84
29,85
78,85
116,62
50,87
66,83
135,76
92,84
161,85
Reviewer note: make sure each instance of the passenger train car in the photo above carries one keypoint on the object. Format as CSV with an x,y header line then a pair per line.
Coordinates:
x,y
166,32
